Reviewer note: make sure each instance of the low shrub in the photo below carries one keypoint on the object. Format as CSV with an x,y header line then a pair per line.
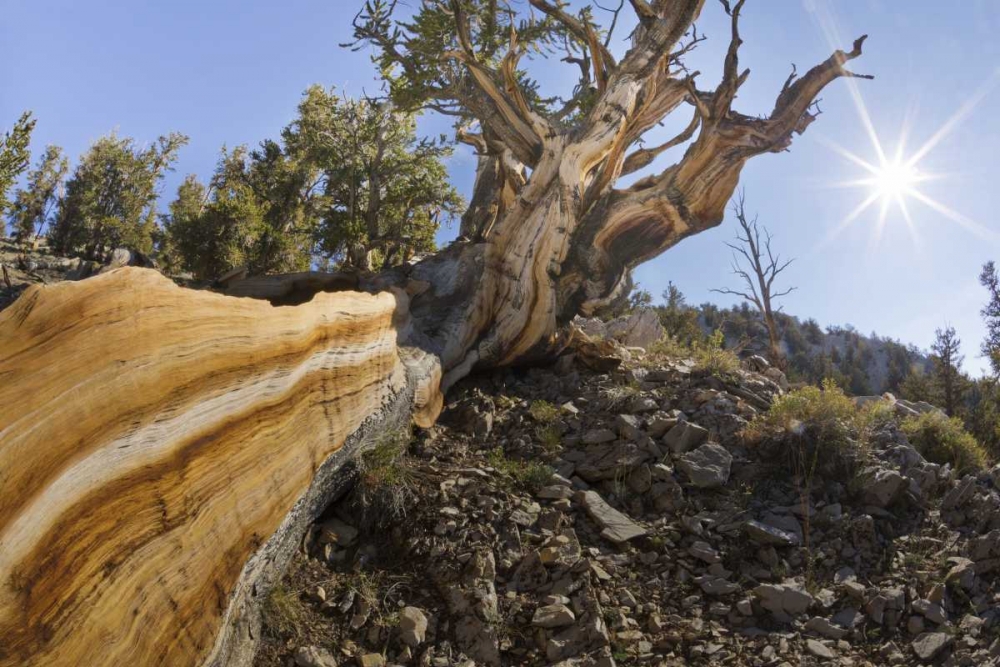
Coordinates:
x,y
711,356
820,429
386,481
532,475
941,439
543,411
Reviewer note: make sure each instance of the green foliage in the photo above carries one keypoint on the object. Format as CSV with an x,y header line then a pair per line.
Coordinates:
x,y
283,612
983,419
34,205
532,475
349,183
712,357
111,197
228,227
543,411
382,191
943,439
408,49
989,279
678,319
947,368
14,155
821,428
386,479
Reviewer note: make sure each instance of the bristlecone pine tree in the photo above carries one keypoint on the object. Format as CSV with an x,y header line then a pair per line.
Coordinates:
x,y
162,451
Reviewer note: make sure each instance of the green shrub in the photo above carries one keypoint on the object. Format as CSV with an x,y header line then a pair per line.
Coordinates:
x,y
386,480
822,428
941,439
283,612
709,353
543,411
529,474
549,437
712,357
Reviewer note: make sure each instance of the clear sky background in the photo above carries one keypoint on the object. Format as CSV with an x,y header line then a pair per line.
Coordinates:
x,y
227,72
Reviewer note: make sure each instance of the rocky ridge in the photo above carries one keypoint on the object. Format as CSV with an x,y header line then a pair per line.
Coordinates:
x,y
565,516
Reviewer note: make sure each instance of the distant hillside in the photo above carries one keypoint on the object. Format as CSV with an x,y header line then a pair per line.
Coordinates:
x,y
862,364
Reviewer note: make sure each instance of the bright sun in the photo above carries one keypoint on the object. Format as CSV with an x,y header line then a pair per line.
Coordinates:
x,y
894,179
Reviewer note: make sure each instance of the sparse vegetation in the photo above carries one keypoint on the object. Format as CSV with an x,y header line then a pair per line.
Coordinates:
x,y
822,428
385,478
712,357
943,439
530,474
283,611
543,411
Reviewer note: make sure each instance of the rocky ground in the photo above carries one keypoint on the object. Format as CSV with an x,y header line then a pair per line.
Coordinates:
x,y
565,516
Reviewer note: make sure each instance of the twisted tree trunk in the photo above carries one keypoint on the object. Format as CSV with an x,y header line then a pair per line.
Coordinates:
x,y
162,451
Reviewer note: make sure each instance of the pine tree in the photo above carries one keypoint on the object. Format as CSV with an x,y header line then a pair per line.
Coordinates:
x,y
111,197
14,156
989,279
947,368
34,205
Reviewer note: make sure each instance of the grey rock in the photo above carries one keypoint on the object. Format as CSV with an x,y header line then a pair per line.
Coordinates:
x,y
789,599
641,404
932,611
819,649
628,427
764,534
641,328
703,551
617,527
553,616
598,436
684,437
928,645
713,585
314,656
824,627
412,626
885,488
708,466
335,531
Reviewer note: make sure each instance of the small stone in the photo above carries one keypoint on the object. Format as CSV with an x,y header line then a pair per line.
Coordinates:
x,y
314,656
554,492
617,527
553,616
932,611
708,466
763,534
598,436
684,437
822,626
819,649
335,531
703,551
929,644
628,427
412,626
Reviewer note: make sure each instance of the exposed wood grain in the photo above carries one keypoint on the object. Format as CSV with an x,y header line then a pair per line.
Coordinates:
x,y
151,438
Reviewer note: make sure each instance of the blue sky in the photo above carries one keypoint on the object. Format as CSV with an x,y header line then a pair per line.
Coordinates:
x,y
227,72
